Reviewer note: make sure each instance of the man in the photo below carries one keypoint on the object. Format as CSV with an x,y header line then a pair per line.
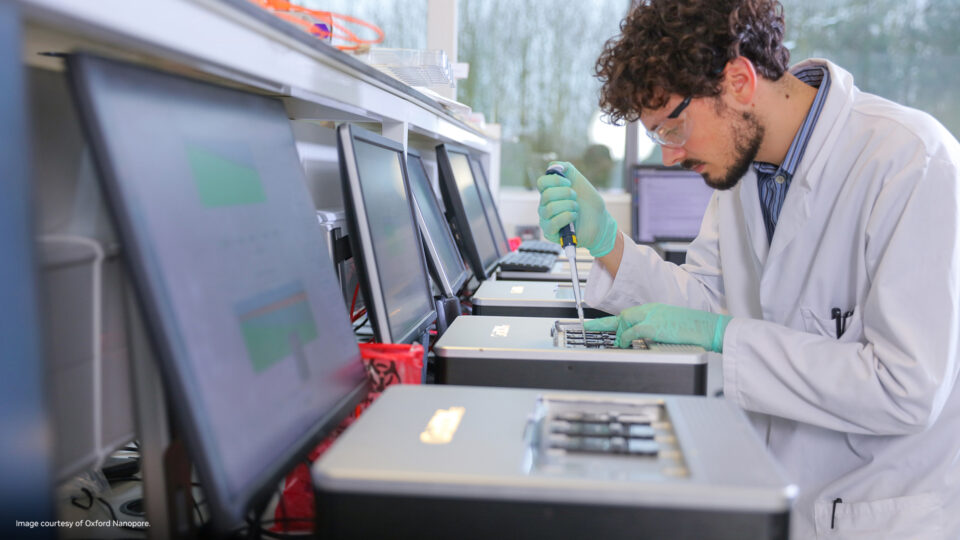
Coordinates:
x,y
826,271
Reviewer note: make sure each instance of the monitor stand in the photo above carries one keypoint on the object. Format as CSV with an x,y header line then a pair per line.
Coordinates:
x,y
447,310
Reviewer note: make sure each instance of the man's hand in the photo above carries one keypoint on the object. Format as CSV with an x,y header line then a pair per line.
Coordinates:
x,y
572,199
666,324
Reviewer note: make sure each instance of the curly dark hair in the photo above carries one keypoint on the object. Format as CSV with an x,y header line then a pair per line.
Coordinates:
x,y
681,47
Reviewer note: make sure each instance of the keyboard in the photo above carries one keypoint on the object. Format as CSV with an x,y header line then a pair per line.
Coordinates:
x,y
540,246
527,261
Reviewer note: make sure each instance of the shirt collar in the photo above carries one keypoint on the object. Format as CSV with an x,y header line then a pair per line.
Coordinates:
x,y
817,76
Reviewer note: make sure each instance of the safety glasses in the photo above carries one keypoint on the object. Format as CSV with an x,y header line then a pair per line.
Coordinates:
x,y
675,130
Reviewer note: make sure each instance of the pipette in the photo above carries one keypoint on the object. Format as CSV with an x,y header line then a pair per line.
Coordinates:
x,y
568,240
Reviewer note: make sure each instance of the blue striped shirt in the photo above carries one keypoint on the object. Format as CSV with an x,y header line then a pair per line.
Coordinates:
x,y
773,181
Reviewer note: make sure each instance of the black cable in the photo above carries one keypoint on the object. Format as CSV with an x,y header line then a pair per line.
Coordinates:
x,y
283,511
363,321
252,527
113,515
74,500
255,523
196,506
255,531
90,498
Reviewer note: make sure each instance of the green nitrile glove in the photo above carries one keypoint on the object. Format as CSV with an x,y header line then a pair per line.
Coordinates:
x,y
666,324
572,199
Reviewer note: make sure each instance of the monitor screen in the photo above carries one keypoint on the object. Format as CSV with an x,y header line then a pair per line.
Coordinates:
x,y
252,336
25,448
668,204
490,207
444,259
462,200
391,254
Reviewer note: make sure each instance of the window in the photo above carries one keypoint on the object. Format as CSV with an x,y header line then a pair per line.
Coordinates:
x,y
907,51
531,71
904,50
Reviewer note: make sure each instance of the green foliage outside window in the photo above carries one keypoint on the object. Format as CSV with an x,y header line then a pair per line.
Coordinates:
x,y
904,50
531,65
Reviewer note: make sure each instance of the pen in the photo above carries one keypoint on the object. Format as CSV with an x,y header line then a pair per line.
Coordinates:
x,y
840,319
845,316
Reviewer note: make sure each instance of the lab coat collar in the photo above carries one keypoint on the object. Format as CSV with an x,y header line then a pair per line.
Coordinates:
x,y
810,171
750,203
833,117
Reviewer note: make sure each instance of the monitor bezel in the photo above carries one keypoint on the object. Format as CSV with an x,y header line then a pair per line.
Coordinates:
x,y
482,184
449,287
227,509
361,236
457,216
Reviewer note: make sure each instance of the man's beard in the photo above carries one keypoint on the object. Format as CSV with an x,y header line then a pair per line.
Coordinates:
x,y
747,136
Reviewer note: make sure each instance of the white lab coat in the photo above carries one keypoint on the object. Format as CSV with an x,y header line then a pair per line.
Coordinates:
x,y
871,223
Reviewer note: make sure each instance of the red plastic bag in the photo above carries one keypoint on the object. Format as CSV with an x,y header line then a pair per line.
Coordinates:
x,y
386,364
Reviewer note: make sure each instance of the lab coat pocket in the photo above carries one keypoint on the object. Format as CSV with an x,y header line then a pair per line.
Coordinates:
x,y
827,326
914,517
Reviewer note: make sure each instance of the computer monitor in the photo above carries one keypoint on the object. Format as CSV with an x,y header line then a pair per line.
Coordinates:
x,y
490,207
465,211
384,235
25,447
447,267
668,204
242,305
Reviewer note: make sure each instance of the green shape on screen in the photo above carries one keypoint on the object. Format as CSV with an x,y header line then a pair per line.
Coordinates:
x,y
222,182
273,324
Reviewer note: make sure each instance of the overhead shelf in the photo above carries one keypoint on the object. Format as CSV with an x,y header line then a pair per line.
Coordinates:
x,y
235,42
